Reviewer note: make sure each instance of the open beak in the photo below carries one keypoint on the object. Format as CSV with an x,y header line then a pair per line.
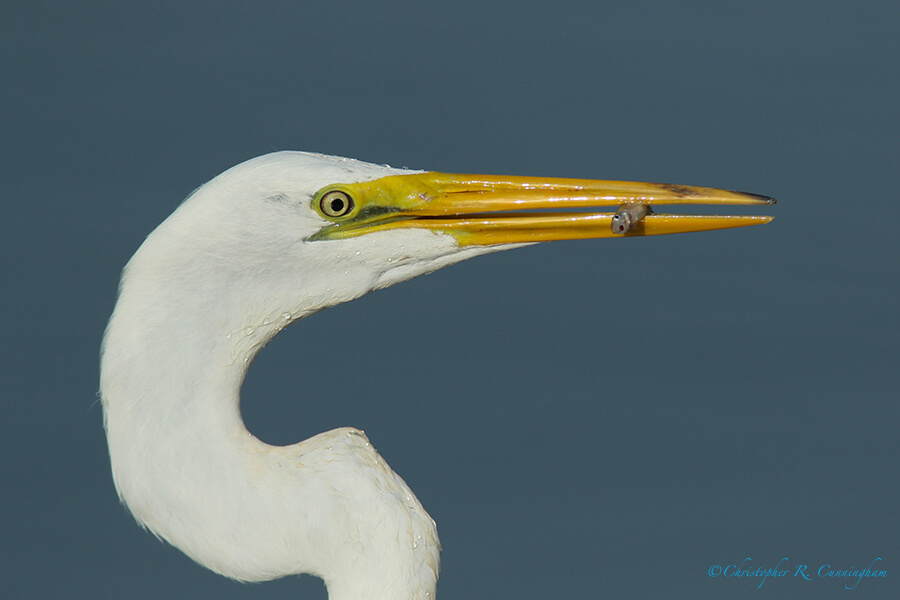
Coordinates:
x,y
487,209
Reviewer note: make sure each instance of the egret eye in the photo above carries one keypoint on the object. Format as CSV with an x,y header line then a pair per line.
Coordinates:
x,y
336,203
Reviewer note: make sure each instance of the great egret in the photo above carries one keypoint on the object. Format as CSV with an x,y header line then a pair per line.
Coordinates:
x,y
262,245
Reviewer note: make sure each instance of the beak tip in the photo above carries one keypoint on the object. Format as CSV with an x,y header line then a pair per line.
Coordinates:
x,y
762,199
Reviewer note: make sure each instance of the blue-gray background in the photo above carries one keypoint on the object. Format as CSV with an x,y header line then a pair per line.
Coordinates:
x,y
588,419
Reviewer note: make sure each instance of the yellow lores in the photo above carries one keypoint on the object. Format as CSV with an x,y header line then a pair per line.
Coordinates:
x,y
489,209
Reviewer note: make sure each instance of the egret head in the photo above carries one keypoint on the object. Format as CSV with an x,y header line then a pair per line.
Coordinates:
x,y
290,233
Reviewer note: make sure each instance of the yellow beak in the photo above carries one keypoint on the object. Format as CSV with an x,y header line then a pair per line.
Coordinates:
x,y
486,210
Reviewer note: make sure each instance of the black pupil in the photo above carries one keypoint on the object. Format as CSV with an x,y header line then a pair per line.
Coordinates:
x,y
337,205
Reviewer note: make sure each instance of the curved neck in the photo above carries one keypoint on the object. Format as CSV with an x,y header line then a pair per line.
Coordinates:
x,y
170,387
188,469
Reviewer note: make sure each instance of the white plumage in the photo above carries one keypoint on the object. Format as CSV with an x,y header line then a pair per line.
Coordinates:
x,y
242,258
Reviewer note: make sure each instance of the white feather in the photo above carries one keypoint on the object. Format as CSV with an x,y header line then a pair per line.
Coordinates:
x,y
224,273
